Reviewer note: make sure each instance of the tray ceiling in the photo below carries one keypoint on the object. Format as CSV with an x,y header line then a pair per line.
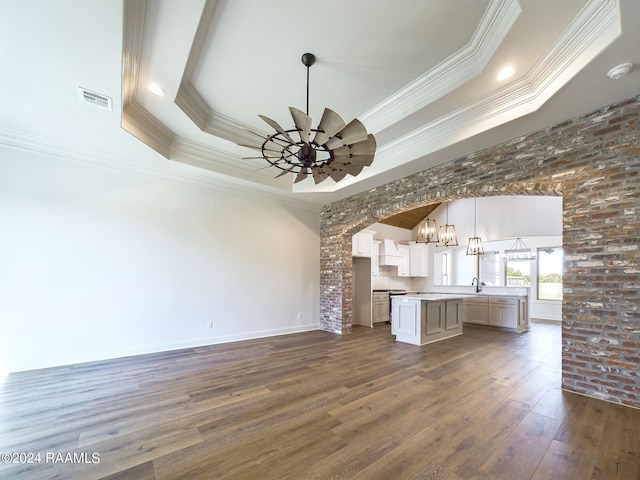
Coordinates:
x,y
419,75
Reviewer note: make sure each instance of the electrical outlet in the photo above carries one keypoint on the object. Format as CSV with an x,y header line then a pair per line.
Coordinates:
x,y
210,324
299,315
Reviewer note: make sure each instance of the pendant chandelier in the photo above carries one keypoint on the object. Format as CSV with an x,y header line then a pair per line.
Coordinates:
x,y
519,252
447,234
336,150
427,231
474,246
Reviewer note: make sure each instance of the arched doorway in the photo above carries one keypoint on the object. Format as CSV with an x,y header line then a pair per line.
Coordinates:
x,y
592,161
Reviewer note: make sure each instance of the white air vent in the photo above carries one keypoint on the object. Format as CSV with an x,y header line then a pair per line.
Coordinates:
x,y
93,98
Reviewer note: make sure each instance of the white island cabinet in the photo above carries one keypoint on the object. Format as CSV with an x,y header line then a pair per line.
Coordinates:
x,y
425,318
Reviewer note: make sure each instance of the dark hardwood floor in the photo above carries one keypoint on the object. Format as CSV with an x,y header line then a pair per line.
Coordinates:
x,y
484,405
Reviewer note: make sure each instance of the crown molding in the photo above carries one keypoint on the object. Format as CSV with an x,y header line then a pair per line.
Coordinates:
x,y
223,162
588,35
132,33
461,67
174,172
135,119
192,104
146,128
593,29
202,31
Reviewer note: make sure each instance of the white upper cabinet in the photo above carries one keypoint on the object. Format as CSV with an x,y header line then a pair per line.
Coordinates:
x,y
404,269
418,260
361,243
375,258
414,260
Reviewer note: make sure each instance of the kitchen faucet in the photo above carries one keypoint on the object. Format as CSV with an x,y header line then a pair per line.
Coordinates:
x,y
476,282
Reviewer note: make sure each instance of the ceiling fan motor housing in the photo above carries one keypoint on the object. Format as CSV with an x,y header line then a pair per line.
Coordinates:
x,y
308,59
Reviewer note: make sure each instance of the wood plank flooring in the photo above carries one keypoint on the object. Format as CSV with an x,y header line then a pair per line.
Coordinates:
x,y
484,405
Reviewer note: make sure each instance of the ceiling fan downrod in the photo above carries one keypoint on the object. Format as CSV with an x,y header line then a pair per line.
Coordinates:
x,y
308,59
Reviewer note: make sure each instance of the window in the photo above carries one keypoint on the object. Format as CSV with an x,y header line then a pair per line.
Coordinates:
x,y
518,273
550,273
446,268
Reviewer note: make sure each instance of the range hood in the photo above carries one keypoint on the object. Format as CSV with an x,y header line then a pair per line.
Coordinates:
x,y
389,255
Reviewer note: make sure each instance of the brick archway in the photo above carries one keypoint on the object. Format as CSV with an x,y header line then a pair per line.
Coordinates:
x,y
594,162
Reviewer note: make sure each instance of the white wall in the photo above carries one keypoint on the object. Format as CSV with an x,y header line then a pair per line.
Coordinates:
x,y
501,217
97,263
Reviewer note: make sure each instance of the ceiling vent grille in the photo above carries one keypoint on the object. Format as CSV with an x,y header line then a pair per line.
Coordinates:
x,y
93,98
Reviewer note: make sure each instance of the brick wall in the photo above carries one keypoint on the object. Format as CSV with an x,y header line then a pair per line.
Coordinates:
x,y
593,161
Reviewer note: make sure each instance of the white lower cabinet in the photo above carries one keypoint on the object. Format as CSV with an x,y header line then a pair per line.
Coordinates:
x,y
503,312
476,310
380,307
509,312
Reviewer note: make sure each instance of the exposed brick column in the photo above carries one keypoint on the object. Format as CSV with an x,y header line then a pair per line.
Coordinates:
x,y
594,162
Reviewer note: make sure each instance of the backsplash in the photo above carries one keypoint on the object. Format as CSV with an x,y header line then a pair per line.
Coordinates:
x,y
387,279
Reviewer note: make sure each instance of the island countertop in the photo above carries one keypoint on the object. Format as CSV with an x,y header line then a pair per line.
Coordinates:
x,y
433,297
437,296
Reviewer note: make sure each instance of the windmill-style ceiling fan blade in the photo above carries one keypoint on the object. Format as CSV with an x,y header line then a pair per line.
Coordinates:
x,y
302,122
284,172
269,147
350,168
330,124
335,173
354,132
318,175
276,126
302,174
254,147
365,147
360,160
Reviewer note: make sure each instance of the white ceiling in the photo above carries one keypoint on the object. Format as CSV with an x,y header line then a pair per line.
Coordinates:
x,y
420,75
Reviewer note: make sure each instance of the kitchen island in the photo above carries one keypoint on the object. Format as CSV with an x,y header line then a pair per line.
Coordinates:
x,y
426,317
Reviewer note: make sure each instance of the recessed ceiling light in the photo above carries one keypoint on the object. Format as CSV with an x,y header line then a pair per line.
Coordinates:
x,y
619,71
156,89
505,73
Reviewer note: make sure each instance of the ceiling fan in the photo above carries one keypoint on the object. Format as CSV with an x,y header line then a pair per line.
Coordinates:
x,y
336,149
